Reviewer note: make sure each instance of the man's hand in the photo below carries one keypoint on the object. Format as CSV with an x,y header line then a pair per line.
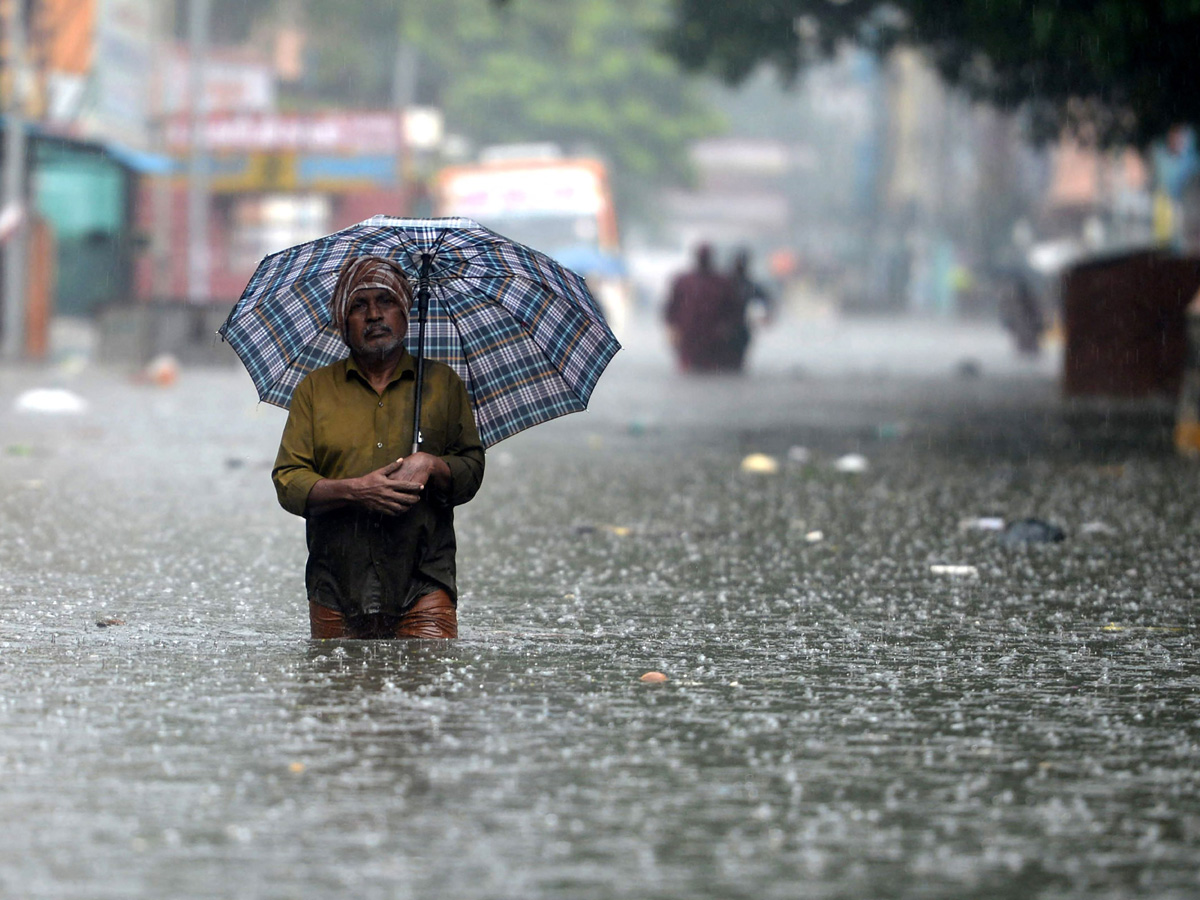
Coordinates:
x,y
425,470
385,490
388,490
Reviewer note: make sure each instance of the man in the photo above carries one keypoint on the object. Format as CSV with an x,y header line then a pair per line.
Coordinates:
x,y
1021,314
750,293
705,318
380,526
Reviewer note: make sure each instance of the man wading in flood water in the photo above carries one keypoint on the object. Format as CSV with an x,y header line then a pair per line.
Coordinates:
x,y
380,527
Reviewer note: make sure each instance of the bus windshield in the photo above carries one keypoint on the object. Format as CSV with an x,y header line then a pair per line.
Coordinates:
x,y
549,233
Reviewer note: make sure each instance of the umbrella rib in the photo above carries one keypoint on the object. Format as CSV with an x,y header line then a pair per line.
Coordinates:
x,y
549,363
485,277
461,341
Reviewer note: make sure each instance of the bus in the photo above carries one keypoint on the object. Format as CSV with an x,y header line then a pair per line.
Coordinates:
x,y
559,205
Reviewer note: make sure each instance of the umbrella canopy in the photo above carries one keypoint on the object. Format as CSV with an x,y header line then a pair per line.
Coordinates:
x,y
523,333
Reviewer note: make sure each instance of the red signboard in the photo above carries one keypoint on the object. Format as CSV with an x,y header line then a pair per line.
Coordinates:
x,y
362,132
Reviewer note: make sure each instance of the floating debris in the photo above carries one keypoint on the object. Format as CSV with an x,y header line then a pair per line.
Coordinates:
x,y
54,401
618,530
1096,528
760,464
162,371
654,678
851,463
1170,629
983,523
955,571
1033,531
108,623
814,537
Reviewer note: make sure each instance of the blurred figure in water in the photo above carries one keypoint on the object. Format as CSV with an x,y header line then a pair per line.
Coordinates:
x,y
1021,315
755,301
705,318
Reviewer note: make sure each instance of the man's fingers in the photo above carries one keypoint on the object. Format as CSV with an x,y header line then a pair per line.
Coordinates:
x,y
392,466
398,497
395,505
403,487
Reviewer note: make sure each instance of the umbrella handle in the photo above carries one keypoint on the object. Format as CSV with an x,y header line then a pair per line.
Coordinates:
x,y
422,312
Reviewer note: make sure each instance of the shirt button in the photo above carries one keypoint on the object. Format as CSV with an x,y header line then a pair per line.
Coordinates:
x,y
379,445
381,403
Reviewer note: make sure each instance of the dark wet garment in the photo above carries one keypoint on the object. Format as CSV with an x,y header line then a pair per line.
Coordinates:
x,y
707,315
432,616
367,563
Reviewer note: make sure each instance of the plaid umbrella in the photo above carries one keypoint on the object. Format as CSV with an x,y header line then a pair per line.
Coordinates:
x,y
523,333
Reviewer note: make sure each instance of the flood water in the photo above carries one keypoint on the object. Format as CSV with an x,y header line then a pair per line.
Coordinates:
x,y
841,719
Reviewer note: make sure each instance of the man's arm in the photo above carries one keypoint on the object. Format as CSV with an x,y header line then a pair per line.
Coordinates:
x,y
454,477
376,491
464,456
303,491
295,470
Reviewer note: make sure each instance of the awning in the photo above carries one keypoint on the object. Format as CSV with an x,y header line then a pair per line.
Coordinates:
x,y
141,160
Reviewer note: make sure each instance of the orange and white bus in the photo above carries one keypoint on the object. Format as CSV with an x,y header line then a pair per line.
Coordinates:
x,y
561,206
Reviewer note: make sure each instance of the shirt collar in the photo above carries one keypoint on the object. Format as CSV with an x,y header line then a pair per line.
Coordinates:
x,y
406,366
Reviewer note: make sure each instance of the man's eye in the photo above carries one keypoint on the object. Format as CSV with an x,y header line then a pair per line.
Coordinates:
x,y
357,306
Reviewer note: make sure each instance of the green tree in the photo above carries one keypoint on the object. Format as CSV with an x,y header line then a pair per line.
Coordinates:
x,y
1125,70
586,74
583,73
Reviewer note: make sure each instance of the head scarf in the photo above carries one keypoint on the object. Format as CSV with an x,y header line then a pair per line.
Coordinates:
x,y
367,273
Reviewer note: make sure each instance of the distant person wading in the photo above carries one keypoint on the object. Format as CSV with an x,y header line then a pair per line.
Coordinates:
x,y
705,317
380,526
751,294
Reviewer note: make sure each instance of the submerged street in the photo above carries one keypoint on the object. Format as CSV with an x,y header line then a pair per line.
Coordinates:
x,y
871,691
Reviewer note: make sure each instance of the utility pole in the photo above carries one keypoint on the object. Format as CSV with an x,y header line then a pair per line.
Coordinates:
x,y
199,16
160,240
14,183
404,89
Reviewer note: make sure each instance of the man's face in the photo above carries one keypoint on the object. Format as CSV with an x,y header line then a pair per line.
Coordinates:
x,y
376,324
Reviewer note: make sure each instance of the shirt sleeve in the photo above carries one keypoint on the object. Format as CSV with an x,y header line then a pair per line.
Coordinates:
x,y
464,454
295,471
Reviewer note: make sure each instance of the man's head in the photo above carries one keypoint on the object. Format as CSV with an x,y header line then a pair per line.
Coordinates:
x,y
370,308
704,257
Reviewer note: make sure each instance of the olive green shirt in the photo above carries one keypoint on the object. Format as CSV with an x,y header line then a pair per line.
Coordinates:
x,y
362,562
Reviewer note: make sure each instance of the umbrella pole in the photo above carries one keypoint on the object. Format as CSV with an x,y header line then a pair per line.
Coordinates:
x,y
422,312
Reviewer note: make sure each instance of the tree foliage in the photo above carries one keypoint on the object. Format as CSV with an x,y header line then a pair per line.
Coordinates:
x,y
1123,70
583,73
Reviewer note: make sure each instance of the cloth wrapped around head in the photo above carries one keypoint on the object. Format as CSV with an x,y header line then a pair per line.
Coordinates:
x,y
367,273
